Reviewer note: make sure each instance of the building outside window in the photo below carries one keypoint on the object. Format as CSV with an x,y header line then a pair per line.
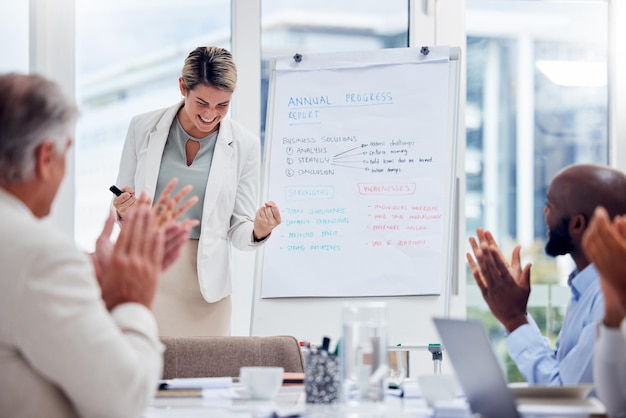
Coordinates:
x,y
14,36
537,101
129,55
290,27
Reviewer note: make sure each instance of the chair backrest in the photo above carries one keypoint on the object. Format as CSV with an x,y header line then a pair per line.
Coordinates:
x,y
223,356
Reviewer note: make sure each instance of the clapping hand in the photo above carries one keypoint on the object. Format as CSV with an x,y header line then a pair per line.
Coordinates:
x,y
135,260
505,287
604,243
166,209
165,213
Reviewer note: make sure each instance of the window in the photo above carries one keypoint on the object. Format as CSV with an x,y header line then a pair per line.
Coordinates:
x,y
290,27
120,74
537,100
14,27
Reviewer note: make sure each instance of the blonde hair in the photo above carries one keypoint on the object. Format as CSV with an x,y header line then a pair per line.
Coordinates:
x,y
213,66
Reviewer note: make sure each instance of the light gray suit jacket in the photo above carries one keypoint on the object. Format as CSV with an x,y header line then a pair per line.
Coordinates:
x,y
62,354
231,197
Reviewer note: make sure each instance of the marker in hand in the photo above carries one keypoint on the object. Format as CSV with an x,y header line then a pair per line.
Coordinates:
x,y
116,191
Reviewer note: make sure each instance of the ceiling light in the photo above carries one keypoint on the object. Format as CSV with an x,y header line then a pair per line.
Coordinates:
x,y
574,73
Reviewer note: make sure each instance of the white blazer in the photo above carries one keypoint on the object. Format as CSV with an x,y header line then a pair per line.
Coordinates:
x,y
230,201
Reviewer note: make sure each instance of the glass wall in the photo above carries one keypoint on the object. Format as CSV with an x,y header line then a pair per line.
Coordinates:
x,y
537,101
129,56
301,26
14,36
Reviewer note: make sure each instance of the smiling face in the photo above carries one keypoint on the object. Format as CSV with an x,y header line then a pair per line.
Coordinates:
x,y
204,107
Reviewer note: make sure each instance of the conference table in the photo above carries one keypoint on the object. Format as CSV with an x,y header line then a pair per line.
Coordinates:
x,y
290,402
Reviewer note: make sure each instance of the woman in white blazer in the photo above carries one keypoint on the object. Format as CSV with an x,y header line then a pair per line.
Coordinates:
x,y
195,142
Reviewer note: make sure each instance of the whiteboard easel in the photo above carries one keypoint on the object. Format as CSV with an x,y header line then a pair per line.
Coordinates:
x,y
310,318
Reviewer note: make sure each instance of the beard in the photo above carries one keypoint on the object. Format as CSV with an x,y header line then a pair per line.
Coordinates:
x,y
560,241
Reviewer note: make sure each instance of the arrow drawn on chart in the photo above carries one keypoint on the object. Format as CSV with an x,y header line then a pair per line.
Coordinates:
x,y
351,149
348,166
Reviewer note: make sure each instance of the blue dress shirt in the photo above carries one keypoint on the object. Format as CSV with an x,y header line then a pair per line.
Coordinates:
x,y
571,361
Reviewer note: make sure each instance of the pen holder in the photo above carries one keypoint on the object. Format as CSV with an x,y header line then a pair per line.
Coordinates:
x,y
321,378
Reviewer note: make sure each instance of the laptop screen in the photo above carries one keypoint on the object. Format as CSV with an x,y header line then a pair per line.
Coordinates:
x,y
477,368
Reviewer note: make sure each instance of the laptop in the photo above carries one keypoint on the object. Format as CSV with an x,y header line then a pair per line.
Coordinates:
x,y
477,369
486,391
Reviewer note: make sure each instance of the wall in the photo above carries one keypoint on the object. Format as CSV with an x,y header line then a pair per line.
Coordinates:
x,y
51,53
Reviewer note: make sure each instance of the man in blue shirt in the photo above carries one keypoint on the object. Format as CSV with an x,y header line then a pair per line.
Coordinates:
x,y
572,197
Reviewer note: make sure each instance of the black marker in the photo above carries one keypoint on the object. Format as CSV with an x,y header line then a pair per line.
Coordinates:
x,y
325,344
116,191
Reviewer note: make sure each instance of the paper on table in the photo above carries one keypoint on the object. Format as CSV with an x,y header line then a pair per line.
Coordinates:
x,y
444,385
561,407
411,390
193,412
523,390
456,408
220,393
213,393
293,378
197,383
395,392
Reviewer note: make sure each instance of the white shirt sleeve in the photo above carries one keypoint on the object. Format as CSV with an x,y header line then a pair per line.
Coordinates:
x,y
609,369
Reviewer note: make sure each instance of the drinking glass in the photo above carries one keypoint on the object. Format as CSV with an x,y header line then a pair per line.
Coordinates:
x,y
364,352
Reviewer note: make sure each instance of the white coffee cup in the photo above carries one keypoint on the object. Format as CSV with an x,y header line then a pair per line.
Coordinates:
x,y
261,383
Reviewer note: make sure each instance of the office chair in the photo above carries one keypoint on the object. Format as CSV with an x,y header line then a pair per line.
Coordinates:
x,y
223,356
